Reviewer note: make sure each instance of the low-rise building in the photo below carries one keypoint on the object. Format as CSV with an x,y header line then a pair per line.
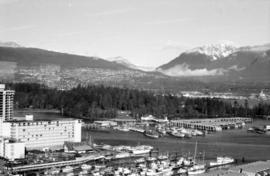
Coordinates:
x,y
11,149
39,134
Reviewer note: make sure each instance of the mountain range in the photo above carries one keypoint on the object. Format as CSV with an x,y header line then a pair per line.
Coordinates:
x,y
223,62
194,69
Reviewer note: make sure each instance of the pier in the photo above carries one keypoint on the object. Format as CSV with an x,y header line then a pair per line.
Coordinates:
x,y
215,124
33,167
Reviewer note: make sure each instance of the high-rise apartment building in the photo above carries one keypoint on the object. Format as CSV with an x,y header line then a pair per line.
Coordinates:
x,y
6,105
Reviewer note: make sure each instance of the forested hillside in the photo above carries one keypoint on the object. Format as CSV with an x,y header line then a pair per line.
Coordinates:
x,y
94,102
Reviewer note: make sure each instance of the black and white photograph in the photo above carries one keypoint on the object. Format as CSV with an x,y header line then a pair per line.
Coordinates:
x,y
135,87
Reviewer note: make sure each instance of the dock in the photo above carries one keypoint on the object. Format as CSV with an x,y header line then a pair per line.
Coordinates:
x,y
42,166
213,125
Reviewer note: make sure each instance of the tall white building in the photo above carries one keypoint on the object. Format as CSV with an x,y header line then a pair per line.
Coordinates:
x,y
6,105
34,134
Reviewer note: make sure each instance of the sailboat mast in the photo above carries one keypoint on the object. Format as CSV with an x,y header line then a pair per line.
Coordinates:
x,y
195,152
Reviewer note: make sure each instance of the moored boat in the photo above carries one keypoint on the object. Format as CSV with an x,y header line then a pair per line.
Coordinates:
x,y
86,167
221,161
122,155
196,169
151,134
67,169
137,129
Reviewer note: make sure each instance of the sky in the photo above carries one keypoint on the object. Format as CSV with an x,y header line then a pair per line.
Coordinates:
x,y
146,32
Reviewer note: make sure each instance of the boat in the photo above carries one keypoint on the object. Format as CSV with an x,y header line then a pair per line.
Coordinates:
x,y
122,155
196,169
177,134
97,167
182,171
70,174
136,129
162,157
67,169
84,172
256,130
123,128
161,131
140,151
221,161
139,160
151,159
197,132
86,167
54,171
160,172
151,134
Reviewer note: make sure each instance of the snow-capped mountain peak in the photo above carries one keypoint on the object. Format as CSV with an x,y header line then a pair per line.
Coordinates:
x,y
216,51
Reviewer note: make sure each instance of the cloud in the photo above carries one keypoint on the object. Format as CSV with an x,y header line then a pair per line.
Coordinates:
x,y
169,21
111,12
17,28
184,70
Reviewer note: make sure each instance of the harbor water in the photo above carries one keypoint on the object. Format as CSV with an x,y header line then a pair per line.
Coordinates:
x,y
237,143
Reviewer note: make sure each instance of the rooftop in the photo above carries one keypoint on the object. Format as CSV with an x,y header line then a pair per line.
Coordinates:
x,y
18,120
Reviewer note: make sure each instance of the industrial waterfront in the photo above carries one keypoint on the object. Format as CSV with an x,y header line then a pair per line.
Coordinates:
x,y
124,145
236,143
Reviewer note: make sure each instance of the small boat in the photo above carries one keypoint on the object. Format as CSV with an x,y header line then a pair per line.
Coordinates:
x,y
123,128
221,161
160,172
162,131
97,167
122,155
84,172
162,157
86,167
141,150
151,134
70,174
198,132
67,169
139,160
151,159
195,171
136,129
54,171
182,171
177,134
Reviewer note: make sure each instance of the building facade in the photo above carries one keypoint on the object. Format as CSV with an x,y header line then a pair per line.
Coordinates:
x,y
34,134
44,134
11,149
6,105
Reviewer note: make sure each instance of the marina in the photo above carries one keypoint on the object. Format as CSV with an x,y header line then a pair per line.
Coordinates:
x,y
237,143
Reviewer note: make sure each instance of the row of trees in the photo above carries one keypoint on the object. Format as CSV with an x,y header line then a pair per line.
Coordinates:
x,y
93,102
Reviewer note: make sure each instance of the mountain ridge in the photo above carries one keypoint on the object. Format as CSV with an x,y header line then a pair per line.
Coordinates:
x,y
250,63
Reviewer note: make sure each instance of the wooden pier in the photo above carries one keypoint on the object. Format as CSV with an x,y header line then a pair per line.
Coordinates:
x,y
215,124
